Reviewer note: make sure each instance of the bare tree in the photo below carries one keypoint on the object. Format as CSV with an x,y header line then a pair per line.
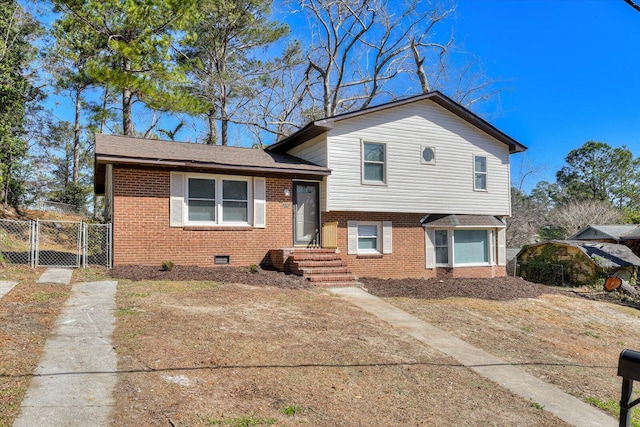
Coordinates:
x,y
360,45
577,214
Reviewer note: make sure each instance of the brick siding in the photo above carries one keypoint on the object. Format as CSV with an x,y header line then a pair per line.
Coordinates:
x,y
141,232
408,255
142,235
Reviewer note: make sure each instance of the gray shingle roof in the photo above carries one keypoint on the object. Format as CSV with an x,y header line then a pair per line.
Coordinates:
x,y
615,231
605,255
111,148
461,221
318,127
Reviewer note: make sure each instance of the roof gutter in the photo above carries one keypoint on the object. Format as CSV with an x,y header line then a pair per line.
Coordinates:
x,y
191,164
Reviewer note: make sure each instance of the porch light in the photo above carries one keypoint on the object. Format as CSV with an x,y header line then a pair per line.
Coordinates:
x,y
287,193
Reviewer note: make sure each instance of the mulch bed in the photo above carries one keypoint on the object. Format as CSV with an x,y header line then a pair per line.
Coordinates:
x,y
218,274
497,288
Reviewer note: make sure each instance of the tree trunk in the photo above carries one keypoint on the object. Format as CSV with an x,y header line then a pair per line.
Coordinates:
x,y
211,118
424,82
76,140
127,95
224,122
127,124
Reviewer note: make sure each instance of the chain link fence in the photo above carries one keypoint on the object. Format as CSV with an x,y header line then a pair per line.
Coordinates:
x,y
16,241
55,243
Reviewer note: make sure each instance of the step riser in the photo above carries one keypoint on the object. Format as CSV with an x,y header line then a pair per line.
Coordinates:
x,y
322,267
324,271
335,284
315,257
331,278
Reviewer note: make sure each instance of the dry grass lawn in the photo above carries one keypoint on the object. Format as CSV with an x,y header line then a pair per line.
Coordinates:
x,y
206,353
27,316
201,353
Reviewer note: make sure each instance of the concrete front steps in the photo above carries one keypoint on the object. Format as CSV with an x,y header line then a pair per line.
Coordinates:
x,y
322,267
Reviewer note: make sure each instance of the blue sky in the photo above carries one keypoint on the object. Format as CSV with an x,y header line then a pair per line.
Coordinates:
x,y
572,71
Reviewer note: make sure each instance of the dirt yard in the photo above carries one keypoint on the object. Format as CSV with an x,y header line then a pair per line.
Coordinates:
x,y
195,347
229,354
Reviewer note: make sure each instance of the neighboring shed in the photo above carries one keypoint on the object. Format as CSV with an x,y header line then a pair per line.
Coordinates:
x,y
625,234
614,232
581,261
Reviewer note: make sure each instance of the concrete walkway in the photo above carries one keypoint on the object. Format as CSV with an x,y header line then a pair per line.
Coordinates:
x,y
554,400
75,380
60,276
6,286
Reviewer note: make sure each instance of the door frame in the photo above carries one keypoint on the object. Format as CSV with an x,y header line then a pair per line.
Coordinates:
x,y
316,240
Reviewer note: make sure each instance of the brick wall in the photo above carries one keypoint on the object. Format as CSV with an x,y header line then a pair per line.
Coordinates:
x,y
408,257
141,232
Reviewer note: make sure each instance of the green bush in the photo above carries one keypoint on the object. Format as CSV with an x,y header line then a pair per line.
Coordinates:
x,y
167,265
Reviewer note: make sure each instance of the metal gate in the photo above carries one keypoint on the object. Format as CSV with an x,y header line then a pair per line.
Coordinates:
x,y
58,243
54,243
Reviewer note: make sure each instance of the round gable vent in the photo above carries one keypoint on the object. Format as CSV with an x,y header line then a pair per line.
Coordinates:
x,y
428,155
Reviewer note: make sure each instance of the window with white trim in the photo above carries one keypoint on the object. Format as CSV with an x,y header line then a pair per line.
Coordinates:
x,y
368,238
235,201
480,173
217,200
470,247
374,158
201,200
442,247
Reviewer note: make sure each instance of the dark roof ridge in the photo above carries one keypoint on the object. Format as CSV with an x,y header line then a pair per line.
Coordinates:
x,y
320,126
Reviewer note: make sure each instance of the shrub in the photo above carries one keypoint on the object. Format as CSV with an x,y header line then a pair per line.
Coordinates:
x,y
167,265
253,268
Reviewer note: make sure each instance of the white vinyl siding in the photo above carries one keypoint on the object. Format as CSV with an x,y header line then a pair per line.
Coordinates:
x,y
369,237
444,187
315,151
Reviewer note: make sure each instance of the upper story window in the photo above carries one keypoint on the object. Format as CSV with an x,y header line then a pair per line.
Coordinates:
x,y
374,159
480,173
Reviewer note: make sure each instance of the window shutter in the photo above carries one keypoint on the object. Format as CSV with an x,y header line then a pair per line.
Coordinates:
x,y
259,202
502,246
430,249
352,237
492,246
176,201
386,237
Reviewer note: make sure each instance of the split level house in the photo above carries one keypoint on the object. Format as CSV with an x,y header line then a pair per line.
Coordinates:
x,y
418,187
